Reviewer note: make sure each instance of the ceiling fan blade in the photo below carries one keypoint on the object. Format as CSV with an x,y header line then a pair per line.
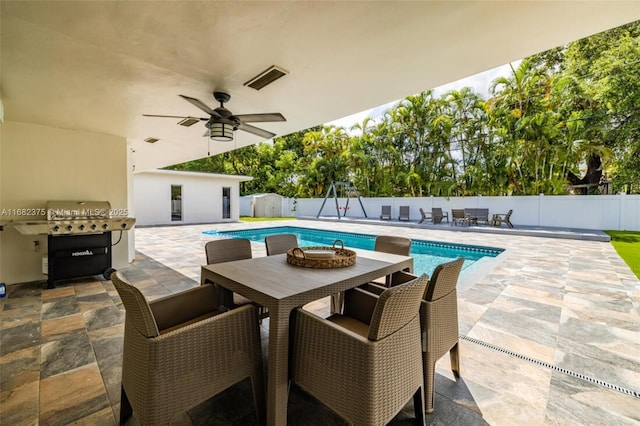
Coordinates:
x,y
260,118
174,116
200,104
256,131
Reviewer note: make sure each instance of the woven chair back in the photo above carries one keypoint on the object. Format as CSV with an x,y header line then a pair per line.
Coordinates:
x,y
444,279
393,245
138,311
396,307
219,251
279,244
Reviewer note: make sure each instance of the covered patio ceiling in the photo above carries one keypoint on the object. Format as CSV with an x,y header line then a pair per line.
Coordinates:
x,y
99,65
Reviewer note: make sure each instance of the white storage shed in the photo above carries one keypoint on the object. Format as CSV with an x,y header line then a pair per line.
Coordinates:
x,y
164,197
267,205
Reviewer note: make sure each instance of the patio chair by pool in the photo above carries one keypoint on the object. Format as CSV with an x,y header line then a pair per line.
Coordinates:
x,y
280,243
477,215
458,217
499,218
439,321
180,351
439,318
365,364
385,213
404,213
436,215
423,216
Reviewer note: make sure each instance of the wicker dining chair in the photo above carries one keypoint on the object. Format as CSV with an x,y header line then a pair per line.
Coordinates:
x,y
438,318
386,244
180,351
394,245
280,243
228,250
366,363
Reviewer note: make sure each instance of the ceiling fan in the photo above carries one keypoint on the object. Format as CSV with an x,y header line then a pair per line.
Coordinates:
x,y
221,122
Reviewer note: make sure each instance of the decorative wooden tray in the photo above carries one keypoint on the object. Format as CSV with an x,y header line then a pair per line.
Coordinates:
x,y
335,257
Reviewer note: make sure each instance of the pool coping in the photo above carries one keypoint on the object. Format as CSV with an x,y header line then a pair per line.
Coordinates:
x,y
520,230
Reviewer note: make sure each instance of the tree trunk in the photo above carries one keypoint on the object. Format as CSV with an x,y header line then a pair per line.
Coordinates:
x,y
591,177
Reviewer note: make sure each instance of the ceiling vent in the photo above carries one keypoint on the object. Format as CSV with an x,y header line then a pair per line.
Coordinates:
x,y
266,77
189,121
151,140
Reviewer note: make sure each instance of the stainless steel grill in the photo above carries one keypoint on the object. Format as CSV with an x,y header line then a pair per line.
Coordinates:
x,y
79,237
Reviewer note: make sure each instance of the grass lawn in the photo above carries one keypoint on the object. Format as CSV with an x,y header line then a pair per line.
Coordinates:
x,y
627,244
263,219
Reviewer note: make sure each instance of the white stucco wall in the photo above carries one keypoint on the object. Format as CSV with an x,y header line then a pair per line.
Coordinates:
x,y
201,196
41,163
602,212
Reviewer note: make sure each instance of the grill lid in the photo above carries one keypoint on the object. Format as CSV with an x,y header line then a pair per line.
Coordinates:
x,y
74,210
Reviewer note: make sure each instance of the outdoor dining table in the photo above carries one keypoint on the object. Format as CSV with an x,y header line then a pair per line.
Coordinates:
x,y
280,287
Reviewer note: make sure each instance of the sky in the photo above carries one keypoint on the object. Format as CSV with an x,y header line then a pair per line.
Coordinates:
x,y
479,83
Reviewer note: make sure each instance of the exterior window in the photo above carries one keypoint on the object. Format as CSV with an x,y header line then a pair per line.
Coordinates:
x,y
226,203
176,203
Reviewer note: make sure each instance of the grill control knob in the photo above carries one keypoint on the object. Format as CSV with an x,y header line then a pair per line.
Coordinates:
x,y
81,227
124,225
56,228
105,225
94,226
69,227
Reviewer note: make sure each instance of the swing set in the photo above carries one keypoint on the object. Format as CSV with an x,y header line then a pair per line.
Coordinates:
x,y
345,187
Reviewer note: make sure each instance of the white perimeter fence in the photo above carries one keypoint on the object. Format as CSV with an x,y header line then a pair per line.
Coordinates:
x,y
602,212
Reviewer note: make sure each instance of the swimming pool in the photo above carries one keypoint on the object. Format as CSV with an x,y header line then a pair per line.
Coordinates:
x,y
426,254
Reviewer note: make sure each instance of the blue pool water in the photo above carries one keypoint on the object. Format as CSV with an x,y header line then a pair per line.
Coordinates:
x,y
426,254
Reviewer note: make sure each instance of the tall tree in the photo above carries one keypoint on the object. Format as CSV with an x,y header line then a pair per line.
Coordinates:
x,y
562,116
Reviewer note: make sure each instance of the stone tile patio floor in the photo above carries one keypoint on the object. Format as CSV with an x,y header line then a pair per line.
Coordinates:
x,y
550,335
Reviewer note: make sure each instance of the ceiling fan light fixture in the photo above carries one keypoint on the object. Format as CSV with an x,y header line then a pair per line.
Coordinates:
x,y
221,132
266,77
222,123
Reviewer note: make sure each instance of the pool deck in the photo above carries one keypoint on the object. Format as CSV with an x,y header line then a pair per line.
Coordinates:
x,y
551,327
550,332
